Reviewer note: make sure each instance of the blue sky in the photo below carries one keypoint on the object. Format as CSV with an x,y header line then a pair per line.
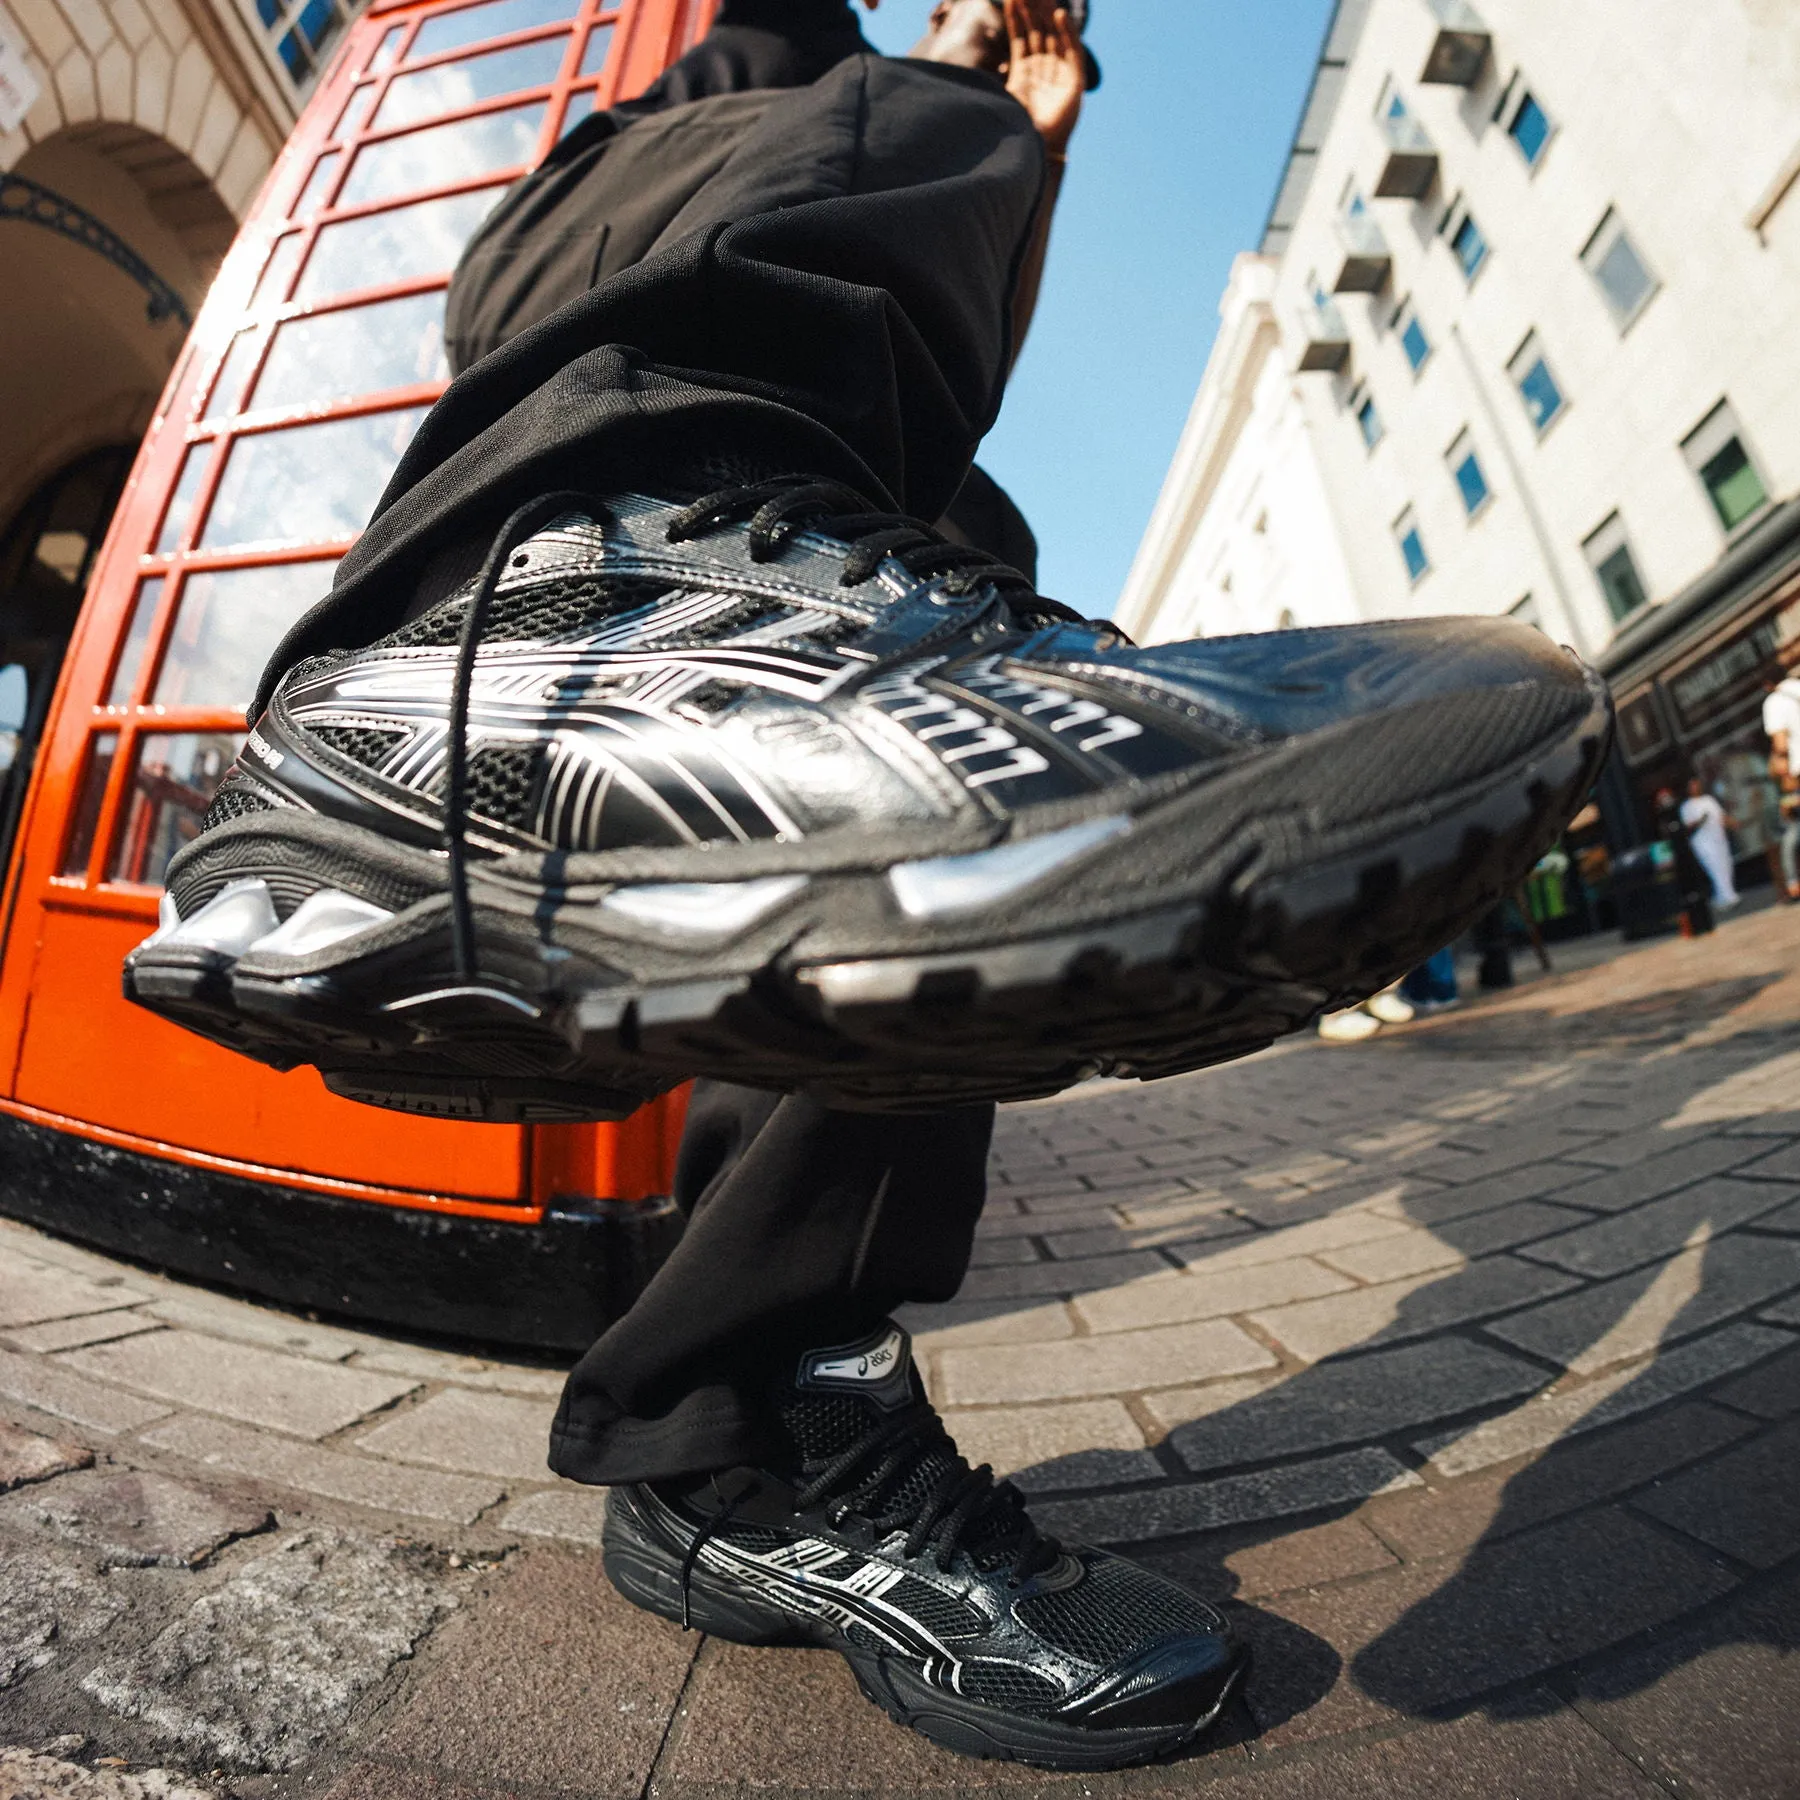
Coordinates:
x,y
1170,175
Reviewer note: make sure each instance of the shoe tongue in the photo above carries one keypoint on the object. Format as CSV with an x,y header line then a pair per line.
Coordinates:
x,y
841,1390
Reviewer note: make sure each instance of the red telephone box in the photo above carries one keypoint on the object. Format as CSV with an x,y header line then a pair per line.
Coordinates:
x,y
313,360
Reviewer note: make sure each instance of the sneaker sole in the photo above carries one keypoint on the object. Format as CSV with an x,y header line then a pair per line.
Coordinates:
x,y
1245,910
649,1575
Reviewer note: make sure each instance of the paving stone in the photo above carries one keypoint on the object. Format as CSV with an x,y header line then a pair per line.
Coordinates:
x,y
1745,1502
1625,1318
1099,1240
1082,1368
1587,1405
1436,1205
71,1334
1046,1278
577,1514
460,1371
1174,1509
603,1681
26,1776
47,1605
1309,1558
1770,1392
1336,1230
1170,1407
1206,1294
1367,1397
52,1388
1784,1312
32,1291
285,1393
1658,1175
1446,1521
137,1518
370,1779
1481,1234
25,1456
998,1252
266,1669
1777,1165
1082,1443
1403,1310
1395,1258
477,1434
359,1480
237,1320
1646,1233
1408,1637
1785,1222
984,1322
1711,1707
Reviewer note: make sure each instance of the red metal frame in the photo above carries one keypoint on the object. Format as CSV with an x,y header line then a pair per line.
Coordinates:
x,y
72,1054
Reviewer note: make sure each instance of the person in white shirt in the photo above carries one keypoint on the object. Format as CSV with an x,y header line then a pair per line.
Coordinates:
x,y
1781,723
1706,821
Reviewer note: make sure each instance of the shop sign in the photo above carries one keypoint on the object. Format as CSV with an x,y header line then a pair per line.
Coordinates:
x,y
1642,733
1729,674
19,88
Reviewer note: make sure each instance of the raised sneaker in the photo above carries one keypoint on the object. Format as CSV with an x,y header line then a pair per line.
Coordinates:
x,y
868,1534
775,789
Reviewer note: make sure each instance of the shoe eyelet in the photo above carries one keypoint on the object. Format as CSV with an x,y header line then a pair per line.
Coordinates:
x,y
522,559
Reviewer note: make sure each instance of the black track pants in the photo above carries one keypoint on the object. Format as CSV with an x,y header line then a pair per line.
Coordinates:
x,y
836,299
805,1227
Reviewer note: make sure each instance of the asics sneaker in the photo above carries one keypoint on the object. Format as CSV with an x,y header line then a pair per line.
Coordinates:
x,y
870,1535
771,788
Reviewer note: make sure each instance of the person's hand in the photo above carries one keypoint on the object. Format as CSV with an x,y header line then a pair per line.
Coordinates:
x,y
1045,73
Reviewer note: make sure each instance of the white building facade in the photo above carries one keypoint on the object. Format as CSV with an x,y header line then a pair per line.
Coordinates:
x,y
1529,317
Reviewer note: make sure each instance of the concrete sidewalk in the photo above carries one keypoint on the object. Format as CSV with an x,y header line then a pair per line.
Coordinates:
x,y
1463,1366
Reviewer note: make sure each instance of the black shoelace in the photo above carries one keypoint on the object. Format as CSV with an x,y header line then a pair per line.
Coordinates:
x,y
776,511
959,1508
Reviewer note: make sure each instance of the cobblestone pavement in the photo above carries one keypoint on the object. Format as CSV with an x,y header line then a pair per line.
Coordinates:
x,y
1462,1365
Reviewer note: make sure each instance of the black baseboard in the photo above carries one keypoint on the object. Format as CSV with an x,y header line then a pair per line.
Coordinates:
x,y
553,1285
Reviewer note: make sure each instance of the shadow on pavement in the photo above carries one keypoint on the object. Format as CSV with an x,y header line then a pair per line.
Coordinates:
x,y
1597,1316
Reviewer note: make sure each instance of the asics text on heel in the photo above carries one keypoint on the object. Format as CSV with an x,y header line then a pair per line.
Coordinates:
x,y
868,1534
774,788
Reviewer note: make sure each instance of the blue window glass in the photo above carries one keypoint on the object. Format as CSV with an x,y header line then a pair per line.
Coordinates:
x,y
1412,547
1471,484
1530,129
1414,341
293,56
1543,398
1369,420
1470,246
316,20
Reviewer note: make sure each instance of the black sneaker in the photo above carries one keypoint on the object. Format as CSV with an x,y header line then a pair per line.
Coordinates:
x,y
776,790
871,1536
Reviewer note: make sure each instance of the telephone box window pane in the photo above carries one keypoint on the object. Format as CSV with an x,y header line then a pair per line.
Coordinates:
x,y
475,24
310,483
312,196
101,751
449,87
227,628
599,47
441,154
356,112
171,788
228,390
181,503
389,49
360,350
581,106
137,635
402,245
278,271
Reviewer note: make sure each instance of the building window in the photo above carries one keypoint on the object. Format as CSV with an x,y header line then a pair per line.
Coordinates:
x,y
1465,238
1368,417
1528,124
1608,551
1412,335
1716,452
299,33
1618,270
1538,388
1465,469
1412,547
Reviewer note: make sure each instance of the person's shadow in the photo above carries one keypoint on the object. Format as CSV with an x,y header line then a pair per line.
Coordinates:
x,y
1609,1357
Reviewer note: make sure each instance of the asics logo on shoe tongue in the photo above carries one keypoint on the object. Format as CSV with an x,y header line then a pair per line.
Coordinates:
x,y
878,1367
